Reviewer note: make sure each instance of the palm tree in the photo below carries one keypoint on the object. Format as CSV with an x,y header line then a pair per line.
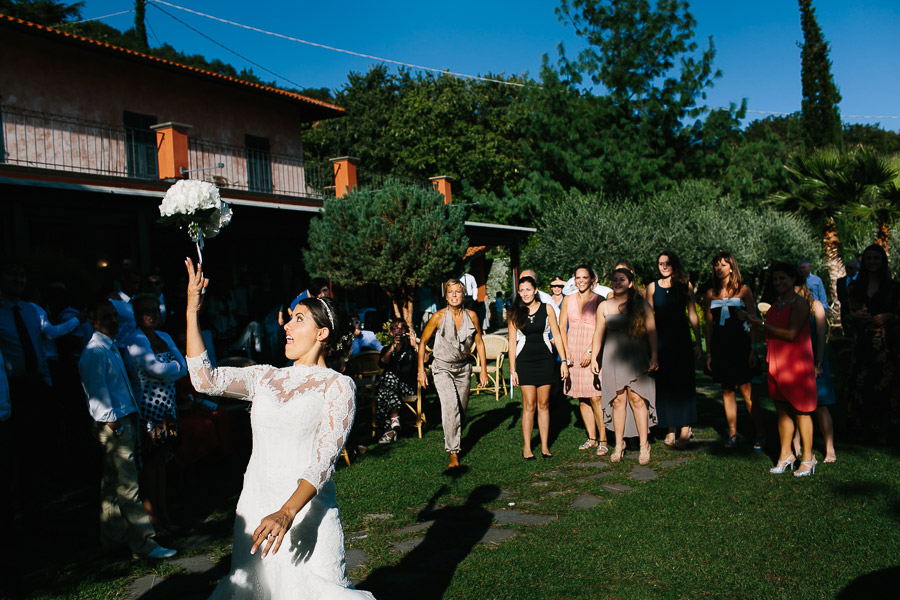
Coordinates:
x,y
883,204
819,189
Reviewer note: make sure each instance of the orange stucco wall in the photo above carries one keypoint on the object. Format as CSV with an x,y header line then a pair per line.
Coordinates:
x,y
57,77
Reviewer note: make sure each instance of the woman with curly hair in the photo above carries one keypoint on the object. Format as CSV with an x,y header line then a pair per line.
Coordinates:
x,y
626,333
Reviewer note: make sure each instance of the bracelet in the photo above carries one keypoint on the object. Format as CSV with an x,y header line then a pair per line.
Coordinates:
x,y
588,351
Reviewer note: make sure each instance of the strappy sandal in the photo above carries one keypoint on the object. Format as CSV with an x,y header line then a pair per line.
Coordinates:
x,y
732,442
388,437
590,443
670,439
602,449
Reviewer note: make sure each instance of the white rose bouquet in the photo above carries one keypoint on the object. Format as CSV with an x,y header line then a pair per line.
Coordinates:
x,y
196,205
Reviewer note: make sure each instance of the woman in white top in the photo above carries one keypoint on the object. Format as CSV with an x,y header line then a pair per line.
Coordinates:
x,y
154,365
300,420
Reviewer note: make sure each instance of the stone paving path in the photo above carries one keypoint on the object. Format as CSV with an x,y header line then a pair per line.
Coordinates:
x,y
429,546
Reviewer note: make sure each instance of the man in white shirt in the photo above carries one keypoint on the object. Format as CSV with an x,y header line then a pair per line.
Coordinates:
x,y
814,283
28,377
114,409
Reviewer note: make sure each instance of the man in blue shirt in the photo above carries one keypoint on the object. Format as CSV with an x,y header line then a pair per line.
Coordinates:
x,y
114,409
813,283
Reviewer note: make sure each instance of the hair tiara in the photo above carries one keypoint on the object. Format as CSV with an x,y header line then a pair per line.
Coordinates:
x,y
328,312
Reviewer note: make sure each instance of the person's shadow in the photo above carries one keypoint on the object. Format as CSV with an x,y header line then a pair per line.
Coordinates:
x,y
426,571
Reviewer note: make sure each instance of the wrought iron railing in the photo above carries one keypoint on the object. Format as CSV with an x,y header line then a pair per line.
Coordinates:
x,y
32,138
253,170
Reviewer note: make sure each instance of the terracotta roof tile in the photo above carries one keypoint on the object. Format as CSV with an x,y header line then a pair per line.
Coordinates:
x,y
6,19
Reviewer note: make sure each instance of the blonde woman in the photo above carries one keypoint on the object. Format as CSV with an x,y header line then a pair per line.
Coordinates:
x,y
456,330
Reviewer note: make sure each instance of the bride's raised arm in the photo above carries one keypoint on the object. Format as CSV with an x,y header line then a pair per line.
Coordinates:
x,y
223,381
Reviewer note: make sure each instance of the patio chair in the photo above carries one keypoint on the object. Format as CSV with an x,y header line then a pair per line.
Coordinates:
x,y
366,371
495,348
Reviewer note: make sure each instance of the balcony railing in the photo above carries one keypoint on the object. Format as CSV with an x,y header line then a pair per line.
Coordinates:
x,y
31,138
254,170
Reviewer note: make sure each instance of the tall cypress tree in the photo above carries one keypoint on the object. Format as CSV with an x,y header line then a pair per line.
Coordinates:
x,y
140,25
820,117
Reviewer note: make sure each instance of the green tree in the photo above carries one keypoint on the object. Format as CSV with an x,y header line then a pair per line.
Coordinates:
x,y
654,76
692,219
819,108
880,202
140,24
42,12
398,237
828,185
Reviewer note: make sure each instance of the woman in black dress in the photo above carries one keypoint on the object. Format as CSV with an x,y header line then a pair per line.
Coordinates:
x,y
874,308
532,366
730,348
672,299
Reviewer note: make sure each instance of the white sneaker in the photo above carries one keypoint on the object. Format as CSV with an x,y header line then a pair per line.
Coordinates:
x,y
159,553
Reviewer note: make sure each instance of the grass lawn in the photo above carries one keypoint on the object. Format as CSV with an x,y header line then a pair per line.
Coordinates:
x,y
717,525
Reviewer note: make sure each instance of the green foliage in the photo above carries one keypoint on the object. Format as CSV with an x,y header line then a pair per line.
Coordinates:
x,y
42,12
397,237
693,220
648,63
871,136
819,107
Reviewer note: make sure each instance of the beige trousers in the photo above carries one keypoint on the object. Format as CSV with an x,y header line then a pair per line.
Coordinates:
x,y
122,515
452,381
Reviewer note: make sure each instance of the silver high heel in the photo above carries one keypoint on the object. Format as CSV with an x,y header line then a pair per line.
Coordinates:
x,y
782,465
812,468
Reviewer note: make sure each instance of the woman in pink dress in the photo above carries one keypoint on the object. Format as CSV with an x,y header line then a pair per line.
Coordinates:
x,y
577,320
792,370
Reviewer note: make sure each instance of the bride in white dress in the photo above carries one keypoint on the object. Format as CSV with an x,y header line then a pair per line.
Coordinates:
x,y
301,418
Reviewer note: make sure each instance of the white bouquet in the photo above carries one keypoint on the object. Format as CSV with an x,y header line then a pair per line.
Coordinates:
x,y
196,205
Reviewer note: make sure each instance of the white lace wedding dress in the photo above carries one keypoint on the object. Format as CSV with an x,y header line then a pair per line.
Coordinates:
x,y
301,417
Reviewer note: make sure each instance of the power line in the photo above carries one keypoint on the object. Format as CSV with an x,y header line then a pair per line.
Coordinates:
x,y
334,49
224,47
786,114
121,12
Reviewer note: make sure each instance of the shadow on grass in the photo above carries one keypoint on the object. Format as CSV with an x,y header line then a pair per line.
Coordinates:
x,y
486,422
427,570
872,585
190,585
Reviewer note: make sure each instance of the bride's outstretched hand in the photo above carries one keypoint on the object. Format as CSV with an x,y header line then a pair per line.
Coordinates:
x,y
195,286
271,532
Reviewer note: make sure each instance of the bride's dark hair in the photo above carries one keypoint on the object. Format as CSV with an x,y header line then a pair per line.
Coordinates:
x,y
325,313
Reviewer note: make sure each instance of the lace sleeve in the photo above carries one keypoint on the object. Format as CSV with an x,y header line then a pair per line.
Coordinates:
x,y
340,409
224,381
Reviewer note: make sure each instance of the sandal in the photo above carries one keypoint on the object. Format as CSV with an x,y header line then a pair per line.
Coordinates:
x,y
670,439
590,443
732,442
602,449
388,437
759,444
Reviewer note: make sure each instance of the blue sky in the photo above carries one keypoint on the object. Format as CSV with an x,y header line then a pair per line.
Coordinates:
x,y
756,42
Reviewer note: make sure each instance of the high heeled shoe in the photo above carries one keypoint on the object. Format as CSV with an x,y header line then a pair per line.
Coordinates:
x,y
788,464
808,463
644,456
617,454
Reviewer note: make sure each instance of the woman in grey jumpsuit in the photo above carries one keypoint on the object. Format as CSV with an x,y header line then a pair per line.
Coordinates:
x,y
456,331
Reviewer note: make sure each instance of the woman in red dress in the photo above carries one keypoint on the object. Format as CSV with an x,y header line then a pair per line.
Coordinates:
x,y
792,370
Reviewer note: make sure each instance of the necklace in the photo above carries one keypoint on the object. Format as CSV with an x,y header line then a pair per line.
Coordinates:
x,y
782,303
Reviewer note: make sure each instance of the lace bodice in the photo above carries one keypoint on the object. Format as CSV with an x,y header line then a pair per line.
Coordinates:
x,y
301,417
